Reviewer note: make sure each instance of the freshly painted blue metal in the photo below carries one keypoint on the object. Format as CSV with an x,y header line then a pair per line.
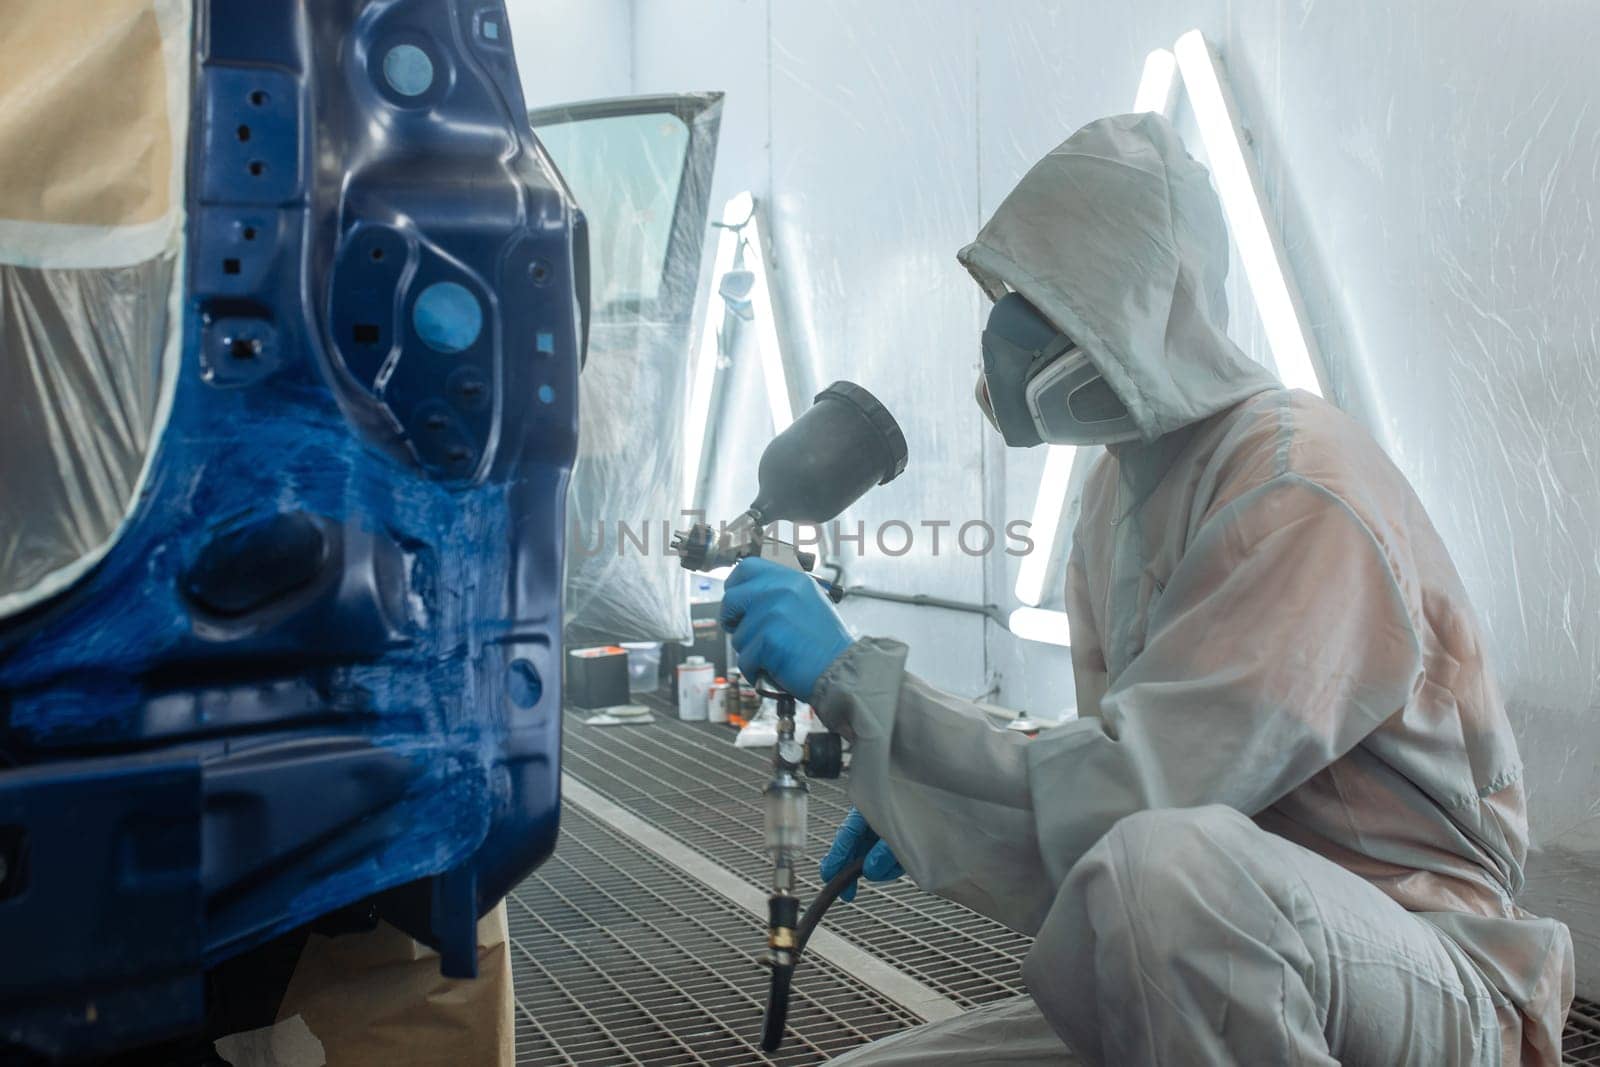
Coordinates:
x,y
323,663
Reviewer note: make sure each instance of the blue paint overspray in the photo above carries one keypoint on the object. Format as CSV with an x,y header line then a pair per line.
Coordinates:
x,y
323,663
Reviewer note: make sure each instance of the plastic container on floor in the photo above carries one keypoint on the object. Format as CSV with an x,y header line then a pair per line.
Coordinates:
x,y
644,665
694,689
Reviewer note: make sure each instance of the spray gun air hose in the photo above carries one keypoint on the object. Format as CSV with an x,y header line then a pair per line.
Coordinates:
x,y
840,447
782,978
787,931
785,800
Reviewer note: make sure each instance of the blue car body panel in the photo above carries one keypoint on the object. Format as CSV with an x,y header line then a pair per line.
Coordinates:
x,y
322,665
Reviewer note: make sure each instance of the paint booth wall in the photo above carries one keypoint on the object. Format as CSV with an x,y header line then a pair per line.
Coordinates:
x,y
1431,167
569,50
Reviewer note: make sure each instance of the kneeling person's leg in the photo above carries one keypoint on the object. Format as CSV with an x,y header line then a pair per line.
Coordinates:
x,y
1010,1032
1194,936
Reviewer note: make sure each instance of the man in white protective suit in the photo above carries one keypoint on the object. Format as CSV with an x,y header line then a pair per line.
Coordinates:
x,y
1289,823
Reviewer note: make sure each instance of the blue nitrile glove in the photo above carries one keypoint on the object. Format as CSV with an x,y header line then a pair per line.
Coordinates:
x,y
782,625
854,838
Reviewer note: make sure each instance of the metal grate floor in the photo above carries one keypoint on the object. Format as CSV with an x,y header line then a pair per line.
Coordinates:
x,y
618,959
688,780
1580,1043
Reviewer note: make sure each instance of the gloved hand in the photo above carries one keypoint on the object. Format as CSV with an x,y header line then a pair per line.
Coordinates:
x,y
854,838
781,624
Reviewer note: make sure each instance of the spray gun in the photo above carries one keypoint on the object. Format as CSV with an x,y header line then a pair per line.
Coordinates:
x,y
843,445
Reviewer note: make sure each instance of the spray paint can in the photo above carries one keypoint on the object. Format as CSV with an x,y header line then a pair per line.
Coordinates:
x,y
694,689
718,710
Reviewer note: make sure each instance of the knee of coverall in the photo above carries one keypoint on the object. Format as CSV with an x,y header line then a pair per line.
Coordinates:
x,y
1145,890
1161,864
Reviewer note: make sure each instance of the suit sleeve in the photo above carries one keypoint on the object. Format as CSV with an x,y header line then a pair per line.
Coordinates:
x,y
1281,641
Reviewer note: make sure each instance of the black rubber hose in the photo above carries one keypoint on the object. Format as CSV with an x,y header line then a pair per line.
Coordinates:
x,y
777,1015
819,903
777,1007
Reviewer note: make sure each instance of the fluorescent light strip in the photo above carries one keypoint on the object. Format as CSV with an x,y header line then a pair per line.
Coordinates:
x,y
1158,84
1239,187
1041,625
703,373
1278,302
1047,509
766,326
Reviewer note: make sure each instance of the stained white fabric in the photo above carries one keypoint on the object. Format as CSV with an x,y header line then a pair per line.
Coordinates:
x,y
1263,618
1275,934
1009,1032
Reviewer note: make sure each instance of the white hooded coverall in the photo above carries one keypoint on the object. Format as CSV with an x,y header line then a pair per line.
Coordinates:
x,y
1289,825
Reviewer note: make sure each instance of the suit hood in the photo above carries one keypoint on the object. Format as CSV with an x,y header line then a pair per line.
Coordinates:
x,y
1117,237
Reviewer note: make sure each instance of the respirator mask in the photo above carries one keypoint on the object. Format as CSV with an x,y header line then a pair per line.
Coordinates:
x,y
1038,387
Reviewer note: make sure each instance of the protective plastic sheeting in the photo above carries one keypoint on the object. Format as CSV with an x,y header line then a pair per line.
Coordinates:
x,y
1431,173
641,170
93,113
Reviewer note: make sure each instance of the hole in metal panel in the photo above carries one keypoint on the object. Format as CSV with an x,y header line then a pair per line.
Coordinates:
x,y
523,683
408,70
447,317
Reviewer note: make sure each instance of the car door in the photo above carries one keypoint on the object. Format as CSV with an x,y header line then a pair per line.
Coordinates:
x,y
640,168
